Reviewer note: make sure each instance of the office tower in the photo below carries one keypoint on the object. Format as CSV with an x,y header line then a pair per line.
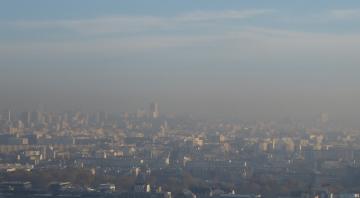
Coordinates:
x,y
7,115
26,118
324,118
140,113
154,110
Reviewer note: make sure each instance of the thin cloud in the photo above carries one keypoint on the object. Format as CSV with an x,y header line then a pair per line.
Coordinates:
x,y
97,25
118,24
345,14
222,15
260,46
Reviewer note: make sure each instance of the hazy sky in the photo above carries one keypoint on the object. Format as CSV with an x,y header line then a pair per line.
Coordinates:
x,y
248,59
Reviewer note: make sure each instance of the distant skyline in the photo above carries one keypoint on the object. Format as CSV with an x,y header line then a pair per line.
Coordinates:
x,y
220,58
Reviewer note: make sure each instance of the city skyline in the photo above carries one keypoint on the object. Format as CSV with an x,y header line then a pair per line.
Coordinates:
x,y
225,59
180,99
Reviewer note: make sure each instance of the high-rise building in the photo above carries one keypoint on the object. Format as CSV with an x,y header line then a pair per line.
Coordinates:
x,y
140,113
154,110
324,118
26,118
6,115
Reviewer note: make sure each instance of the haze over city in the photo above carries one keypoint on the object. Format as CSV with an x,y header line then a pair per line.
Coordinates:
x,y
246,59
179,99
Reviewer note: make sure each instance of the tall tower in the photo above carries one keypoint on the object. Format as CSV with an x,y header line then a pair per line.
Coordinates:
x,y
9,115
26,118
324,118
154,110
